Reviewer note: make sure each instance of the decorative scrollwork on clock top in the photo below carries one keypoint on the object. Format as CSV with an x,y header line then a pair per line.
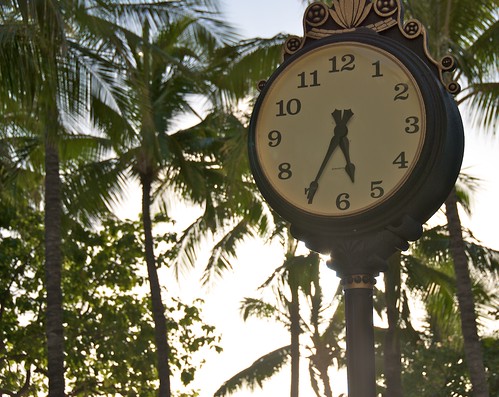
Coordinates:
x,y
380,16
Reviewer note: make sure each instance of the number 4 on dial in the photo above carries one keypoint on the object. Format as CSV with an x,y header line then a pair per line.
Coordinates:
x,y
401,161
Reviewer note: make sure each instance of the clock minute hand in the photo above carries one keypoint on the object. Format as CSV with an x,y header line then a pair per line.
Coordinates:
x,y
314,185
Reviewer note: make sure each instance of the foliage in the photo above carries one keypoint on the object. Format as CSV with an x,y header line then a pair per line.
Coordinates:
x,y
433,360
470,31
491,358
117,74
431,277
21,299
434,369
109,330
438,368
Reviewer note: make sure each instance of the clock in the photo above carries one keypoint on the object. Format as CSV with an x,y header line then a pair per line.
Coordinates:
x,y
351,134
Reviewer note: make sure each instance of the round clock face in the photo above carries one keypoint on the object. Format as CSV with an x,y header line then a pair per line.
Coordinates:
x,y
339,130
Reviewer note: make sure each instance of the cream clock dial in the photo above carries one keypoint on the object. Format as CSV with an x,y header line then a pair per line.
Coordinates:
x,y
340,129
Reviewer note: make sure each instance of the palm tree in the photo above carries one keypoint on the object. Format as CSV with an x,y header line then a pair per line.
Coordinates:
x,y
296,280
64,48
160,157
164,67
422,273
391,343
431,279
36,40
431,276
467,29
233,209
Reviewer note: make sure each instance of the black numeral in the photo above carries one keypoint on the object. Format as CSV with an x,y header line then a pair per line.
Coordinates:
x,y
342,202
347,63
274,138
291,107
376,190
285,171
304,82
412,125
377,69
401,161
402,95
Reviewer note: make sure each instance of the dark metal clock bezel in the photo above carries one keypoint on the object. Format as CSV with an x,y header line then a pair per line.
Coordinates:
x,y
432,177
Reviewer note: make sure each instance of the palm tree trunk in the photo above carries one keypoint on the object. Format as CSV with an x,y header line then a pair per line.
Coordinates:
x,y
158,310
472,347
392,355
53,263
294,314
322,363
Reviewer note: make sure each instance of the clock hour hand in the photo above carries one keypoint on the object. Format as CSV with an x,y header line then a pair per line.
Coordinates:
x,y
349,168
314,185
341,119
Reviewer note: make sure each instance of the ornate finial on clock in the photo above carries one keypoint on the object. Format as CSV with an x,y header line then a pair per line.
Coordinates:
x,y
383,17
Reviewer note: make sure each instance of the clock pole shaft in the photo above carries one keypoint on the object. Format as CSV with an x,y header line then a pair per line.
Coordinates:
x,y
358,291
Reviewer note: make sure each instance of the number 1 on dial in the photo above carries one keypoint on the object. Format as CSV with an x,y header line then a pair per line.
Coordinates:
x,y
377,69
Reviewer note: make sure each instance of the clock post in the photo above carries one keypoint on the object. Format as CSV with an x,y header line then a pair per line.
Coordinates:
x,y
356,141
357,262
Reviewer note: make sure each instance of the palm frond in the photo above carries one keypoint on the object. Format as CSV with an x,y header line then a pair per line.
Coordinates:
x,y
482,101
258,372
18,59
485,260
236,69
466,187
133,14
102,78
483,51
93,188
19,181
430,271
251,307
224,251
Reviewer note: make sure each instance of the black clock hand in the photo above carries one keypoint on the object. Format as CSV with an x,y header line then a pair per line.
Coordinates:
x,y
349,168
340,132
341,129
314,185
